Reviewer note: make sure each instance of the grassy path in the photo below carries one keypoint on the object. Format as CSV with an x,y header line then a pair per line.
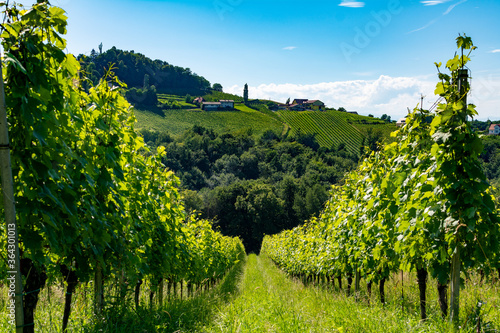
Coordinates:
x,y
263,305
269,301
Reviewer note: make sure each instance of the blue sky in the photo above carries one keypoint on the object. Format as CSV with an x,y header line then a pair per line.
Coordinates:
x,y
372,56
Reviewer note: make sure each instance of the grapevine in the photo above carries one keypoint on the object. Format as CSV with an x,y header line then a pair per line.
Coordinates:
x,y
94,206
422,204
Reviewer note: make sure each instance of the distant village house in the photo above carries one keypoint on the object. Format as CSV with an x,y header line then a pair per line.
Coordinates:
x,y
296,107
210,106
299,101
314,105
227,103
307,104
223,104
494,129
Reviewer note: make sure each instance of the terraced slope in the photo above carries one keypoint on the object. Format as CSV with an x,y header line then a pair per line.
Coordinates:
x,y
364,124
334,127
176,122
330,128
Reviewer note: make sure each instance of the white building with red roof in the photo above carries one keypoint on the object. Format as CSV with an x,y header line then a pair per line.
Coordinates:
x,y
494,129
309,104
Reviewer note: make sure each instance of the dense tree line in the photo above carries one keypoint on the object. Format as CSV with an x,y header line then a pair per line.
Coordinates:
x,y
255,186
143,75
482,126
252,186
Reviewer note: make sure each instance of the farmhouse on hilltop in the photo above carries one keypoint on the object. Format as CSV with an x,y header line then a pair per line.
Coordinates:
x,y
227,103
210,106
296,107
494,129
307,104
315,105
223,104
299,101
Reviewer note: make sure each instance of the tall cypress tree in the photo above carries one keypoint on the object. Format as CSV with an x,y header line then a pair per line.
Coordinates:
x,y
245,93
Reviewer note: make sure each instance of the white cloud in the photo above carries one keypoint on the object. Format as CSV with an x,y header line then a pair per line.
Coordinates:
x,y
484,94
384,95
437,2
352,4
495,51
425,26
453,7
290,48
389,95
433,2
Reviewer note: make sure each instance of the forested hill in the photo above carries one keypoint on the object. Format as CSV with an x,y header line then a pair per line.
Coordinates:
x,y
137,71
252,186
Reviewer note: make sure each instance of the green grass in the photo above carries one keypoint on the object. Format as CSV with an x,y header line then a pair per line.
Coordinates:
x,y
176,122
218,95
270,301
385,128
256,296
177,98
263,304
181,100
363,124
186,315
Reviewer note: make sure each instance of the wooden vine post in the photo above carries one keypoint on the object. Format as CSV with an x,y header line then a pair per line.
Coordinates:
x,y
10,213
455,260
98,291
